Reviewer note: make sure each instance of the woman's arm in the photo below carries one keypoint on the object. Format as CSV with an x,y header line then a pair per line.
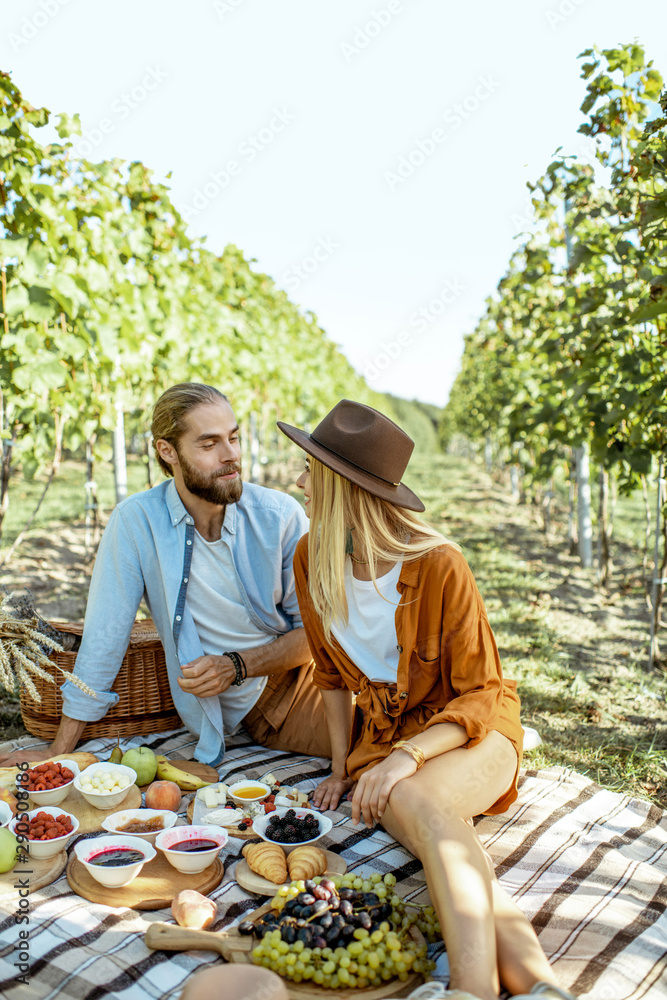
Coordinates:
x,y
338,707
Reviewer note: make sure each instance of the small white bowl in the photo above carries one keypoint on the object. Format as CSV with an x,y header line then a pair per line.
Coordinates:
x,y
6,814
41,849
53,796
242,800
118,875
191,861
260,824
115,820
105,800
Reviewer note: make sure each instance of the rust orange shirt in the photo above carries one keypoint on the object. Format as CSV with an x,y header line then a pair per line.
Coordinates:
x,y
448,666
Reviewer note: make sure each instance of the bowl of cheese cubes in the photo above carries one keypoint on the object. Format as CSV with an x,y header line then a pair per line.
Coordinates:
x,y
105,785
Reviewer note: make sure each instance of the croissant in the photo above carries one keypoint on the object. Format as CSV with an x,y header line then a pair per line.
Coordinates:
x,y
267,860
306,862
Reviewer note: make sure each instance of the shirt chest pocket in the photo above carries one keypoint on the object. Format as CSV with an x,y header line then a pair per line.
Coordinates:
x,y
427,651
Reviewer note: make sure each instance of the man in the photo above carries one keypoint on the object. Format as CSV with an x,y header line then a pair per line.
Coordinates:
x,y
213,558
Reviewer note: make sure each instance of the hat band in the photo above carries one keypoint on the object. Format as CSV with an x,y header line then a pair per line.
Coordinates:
x,y
328,447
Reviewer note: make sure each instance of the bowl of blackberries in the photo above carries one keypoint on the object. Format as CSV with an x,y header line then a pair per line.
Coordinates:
x,y
292,828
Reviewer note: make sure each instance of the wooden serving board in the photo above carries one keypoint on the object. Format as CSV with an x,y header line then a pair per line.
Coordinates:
x,y
153,889
203,771
235,947
89,817
250,880
38,873
233,831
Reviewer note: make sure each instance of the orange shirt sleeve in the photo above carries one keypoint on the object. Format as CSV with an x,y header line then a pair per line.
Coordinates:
x,y
469,661
325,673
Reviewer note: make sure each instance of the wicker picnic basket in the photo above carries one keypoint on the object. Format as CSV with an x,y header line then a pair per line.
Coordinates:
x,y
145,704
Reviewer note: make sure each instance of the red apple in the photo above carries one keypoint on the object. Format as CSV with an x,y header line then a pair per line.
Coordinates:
x,y
163,795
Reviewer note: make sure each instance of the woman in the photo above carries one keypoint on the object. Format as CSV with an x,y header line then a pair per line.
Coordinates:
x,y
392,613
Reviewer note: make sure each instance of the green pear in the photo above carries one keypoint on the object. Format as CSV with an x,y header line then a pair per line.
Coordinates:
x,y
116,755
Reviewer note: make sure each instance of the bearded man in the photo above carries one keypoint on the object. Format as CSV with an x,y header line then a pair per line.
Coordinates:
x,y
212,557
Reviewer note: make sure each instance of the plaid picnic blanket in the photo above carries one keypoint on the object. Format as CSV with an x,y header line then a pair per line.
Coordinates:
x,y
587,865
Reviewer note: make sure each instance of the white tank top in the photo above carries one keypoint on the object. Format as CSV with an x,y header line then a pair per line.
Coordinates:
x,y
369,638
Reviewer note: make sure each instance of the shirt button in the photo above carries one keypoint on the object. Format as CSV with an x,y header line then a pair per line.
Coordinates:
x,y
400,649
178,618
188,542
188,520
403,695
185,579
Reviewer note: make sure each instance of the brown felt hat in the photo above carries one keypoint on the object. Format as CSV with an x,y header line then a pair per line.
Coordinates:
x,y
363,446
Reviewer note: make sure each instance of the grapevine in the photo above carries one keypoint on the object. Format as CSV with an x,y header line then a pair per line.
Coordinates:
x,y
344,932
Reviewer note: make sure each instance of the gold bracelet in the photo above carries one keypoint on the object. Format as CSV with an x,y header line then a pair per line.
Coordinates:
x,y
415,752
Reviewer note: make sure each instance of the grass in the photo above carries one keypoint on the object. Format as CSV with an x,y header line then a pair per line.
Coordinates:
x,y
577,654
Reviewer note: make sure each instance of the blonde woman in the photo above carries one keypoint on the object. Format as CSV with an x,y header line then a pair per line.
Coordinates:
x,y
393,615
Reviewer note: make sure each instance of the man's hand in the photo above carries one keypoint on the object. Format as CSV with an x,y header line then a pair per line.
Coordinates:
x,y
375,785
329,792
25,757
207,676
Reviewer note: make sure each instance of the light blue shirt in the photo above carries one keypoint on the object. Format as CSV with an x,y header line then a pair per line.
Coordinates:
x,y
146,551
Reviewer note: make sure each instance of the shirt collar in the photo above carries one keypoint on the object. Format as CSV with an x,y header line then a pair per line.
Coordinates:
x,y
410,573
175,505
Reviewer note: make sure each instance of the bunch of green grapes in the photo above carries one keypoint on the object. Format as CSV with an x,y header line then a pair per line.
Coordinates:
x,y
342,933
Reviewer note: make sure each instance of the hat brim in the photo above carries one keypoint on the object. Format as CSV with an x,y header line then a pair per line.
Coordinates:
x,y
400,495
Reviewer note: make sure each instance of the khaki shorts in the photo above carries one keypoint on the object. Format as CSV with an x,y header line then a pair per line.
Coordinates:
x,y
290,715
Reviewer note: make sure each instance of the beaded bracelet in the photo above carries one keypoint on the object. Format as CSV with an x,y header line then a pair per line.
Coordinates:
x,y
239,667
416,752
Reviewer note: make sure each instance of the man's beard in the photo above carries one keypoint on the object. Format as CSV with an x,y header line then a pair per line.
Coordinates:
x,y
211,486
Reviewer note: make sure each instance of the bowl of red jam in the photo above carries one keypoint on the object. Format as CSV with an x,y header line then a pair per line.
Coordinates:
x,y
114,861
191,848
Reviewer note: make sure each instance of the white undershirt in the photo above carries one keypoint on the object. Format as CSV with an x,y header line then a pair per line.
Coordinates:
x,y
222,621
369,638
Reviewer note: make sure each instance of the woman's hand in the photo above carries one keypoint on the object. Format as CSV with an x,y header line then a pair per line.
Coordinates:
x,y
375,785
329,792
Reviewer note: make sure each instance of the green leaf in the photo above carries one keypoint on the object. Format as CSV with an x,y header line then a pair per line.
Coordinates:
x,y
17,300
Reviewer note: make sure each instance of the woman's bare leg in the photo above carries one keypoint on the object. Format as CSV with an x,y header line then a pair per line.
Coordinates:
x,y
487,937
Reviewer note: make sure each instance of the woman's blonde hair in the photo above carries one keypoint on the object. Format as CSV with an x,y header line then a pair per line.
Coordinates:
x,y
380,530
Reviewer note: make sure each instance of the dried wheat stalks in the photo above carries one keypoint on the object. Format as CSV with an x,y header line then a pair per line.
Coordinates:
x,y
22,653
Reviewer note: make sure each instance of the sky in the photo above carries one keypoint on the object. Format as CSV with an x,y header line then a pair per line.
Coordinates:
x,y
372,157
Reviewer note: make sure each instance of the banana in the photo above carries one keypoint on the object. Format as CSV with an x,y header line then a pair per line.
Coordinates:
x,y
166,771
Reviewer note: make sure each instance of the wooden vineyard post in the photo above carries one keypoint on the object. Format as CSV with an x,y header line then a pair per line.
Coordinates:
x,y
658,585
584,506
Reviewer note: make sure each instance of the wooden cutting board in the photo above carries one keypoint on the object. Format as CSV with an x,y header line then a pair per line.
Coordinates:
x,y
235,947
233,831
153,889
38,874
250,880
90,818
